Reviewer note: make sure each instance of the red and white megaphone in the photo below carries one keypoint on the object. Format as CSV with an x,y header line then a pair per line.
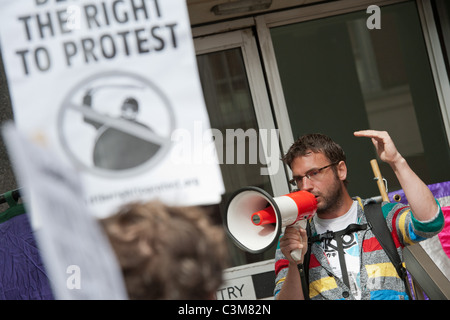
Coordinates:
x,y
254,218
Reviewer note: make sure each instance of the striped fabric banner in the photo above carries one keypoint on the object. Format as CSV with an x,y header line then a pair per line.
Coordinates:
x,y
437,247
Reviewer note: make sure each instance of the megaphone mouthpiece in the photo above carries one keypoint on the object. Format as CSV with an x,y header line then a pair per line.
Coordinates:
x,y
264,216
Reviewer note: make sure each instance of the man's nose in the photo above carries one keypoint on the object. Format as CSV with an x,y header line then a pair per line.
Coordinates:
x,y
306,184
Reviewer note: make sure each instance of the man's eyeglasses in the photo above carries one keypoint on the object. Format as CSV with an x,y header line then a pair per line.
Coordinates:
x,y
312,175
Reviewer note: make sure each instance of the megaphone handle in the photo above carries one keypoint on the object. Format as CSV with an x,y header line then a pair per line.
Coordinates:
x,y
297,255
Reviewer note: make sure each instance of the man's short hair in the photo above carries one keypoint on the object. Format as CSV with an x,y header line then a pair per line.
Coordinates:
x,y
317,143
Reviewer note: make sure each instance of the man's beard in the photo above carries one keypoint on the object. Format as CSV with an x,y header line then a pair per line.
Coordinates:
x,y
332,201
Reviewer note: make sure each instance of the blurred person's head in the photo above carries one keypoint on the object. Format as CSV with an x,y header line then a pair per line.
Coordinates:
x,y
167,252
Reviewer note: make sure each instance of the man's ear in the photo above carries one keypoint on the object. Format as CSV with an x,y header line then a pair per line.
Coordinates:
x,y
341,170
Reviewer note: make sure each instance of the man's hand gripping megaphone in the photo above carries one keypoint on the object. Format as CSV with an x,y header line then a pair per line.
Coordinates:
x,y
294,243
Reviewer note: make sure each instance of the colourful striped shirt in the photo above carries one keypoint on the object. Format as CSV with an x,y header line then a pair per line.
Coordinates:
x,y
378,277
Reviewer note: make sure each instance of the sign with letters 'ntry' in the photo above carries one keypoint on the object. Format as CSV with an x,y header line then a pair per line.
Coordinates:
x,y
110,86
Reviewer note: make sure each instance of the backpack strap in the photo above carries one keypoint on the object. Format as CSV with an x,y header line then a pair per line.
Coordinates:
x,y
376,221
328,236
304,267
351,228
337,236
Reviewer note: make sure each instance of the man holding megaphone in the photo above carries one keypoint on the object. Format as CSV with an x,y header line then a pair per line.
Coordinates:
x,y
345,258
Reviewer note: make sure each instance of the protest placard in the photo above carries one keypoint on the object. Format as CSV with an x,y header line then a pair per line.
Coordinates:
x,y
110,85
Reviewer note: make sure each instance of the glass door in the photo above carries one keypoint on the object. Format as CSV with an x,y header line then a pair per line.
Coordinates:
x,y
339,76
241,118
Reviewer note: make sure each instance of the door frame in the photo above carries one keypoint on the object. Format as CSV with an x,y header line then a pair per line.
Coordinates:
x,y
245,40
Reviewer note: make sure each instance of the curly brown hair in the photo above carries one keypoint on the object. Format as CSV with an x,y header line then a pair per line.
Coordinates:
x,y
167,252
